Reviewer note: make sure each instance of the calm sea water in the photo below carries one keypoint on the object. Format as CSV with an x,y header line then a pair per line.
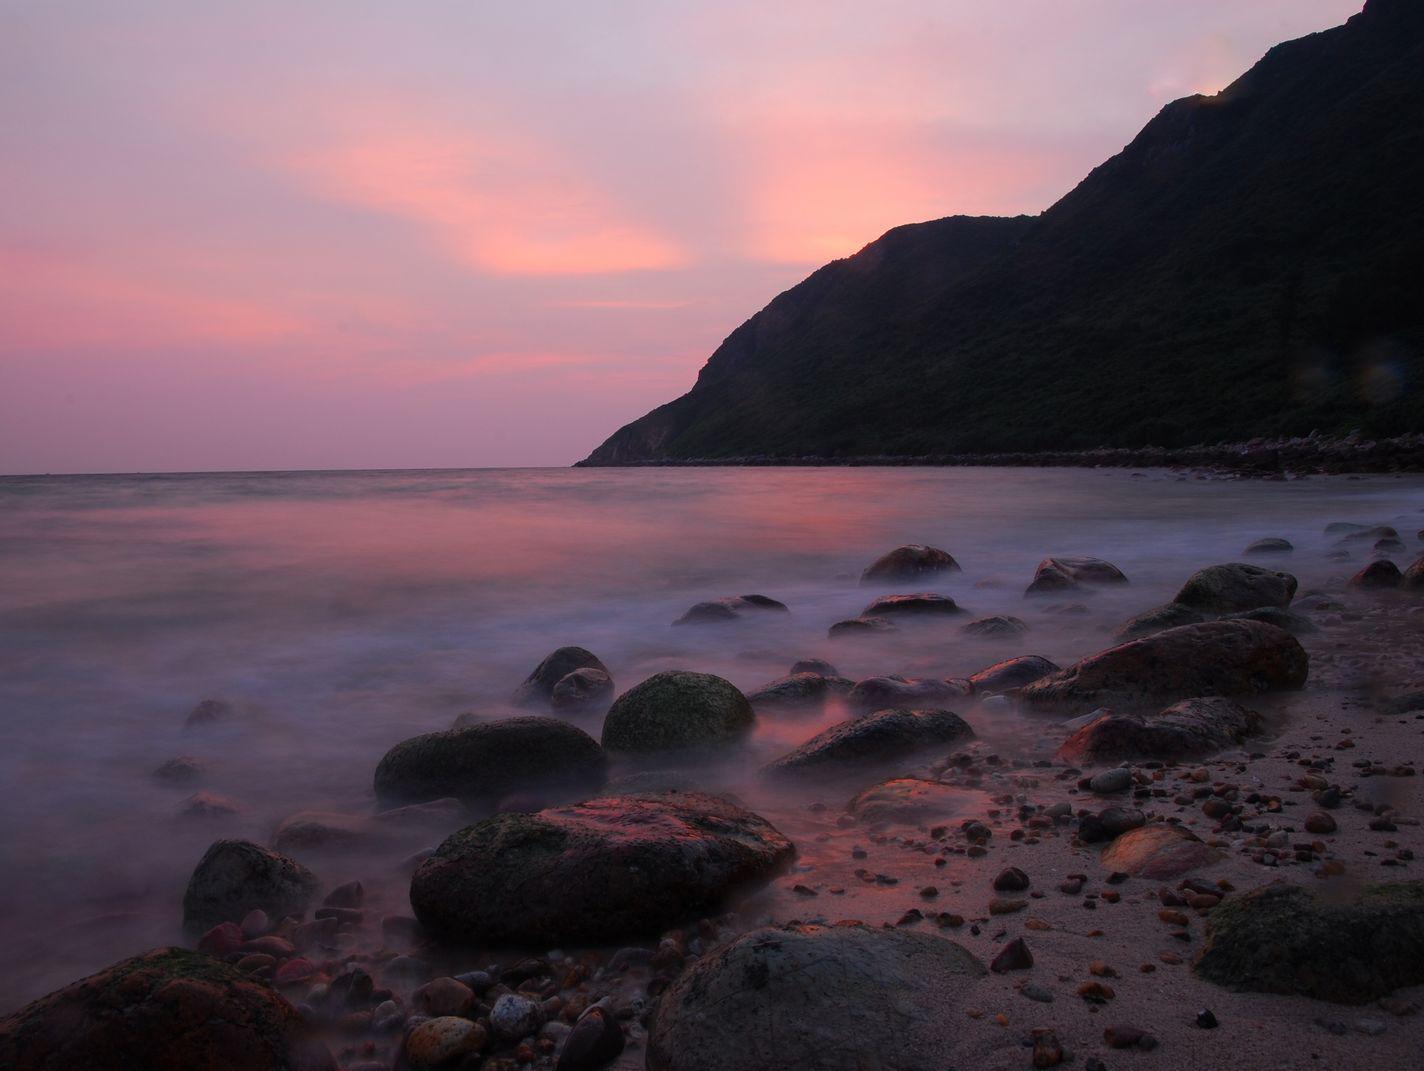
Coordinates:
x,y
345,611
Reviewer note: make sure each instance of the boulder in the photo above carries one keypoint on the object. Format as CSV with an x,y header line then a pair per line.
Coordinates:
x,y
1193,728
181,770
583,689
1413,577
731,608
800,690
1294,623
212,712
881,693
166,1010
1349,948
860,626
676,710
1226,658
1377,576
918,604
316,831
1157,852
1158,619
484,761
814,665
996,628
910,799
909,562
1064,574
237,876
1225,589
1270,545
538,687
1366,534
1011,673
835,998
605,870
885,736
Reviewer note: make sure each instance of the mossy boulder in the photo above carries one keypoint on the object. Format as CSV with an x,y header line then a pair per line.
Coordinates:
x,y
677,710
236,876
166,1010
483,761
1286,939
605,870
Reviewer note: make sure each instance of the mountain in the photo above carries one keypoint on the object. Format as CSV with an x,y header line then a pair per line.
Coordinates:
x,y
1251,264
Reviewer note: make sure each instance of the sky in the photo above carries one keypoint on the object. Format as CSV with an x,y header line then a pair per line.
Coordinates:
x,y
454,233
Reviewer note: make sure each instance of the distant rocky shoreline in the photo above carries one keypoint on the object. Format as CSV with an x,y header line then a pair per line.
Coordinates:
x,y
1260,458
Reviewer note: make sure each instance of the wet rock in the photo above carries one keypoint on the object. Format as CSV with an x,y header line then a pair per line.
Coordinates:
x,y
538,687
1123,1036
1193,728
1216,658
920,604
1319,823
1011,879
732,608
514,1017
677,710
1014,956
1110,781
583,689
236,876
595,1040
996,628
1158,619
910,562
1113,822
599,871
1157,851
443,996
441,1042
348,895
480,763
1295,624
1270,545
1413,578
1224,589
325,831
1366,534
884,736
212,712
1011,673
860,626
881,693
1378,575
799,691
1055,575
182,770
166,1010
814,665
1286,939
435,815
908,799
837,998
208,805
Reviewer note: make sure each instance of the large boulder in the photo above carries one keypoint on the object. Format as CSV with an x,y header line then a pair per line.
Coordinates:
x,y
1157,852
236,876
1011,673
799,691
605,870
836,998
1227,658
538,687
920,603
1158,619
1191,729
1378,576
1064,574
731,608
1225,589
676,710
881,693
881,737
1350,949
910,562
484,761
166,1010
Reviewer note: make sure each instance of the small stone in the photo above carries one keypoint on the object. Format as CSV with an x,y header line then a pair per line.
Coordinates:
x,y
1011,880
349,895
439,1042
1047,1052
1111,781
1206,1019
1037,993
595,1040
443,996
1096,992
1320,822
1129,1037
1014,956
999,906
514,1017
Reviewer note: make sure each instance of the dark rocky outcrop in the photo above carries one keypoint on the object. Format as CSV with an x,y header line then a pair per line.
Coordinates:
x,y
676,710
1190,729
1286,939
918,604
1226,658
910,562
799,691
881,693
1382,575
836,998
1225,589
1011,673
1055,575
166,1010
483,761
538,687
604,870
1158,619
237,876
884,736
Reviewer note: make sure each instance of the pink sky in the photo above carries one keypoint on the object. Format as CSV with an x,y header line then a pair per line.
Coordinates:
x,y
274,235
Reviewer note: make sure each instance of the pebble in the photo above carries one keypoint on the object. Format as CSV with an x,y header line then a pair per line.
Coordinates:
x,y
1038,993
1111,781
1014,956
1206,1019
255,924
1011,880
514,1017
1129,1037
443,996
437,1042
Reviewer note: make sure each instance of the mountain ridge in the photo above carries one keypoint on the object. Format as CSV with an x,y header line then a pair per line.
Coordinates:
x,y
1242,267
